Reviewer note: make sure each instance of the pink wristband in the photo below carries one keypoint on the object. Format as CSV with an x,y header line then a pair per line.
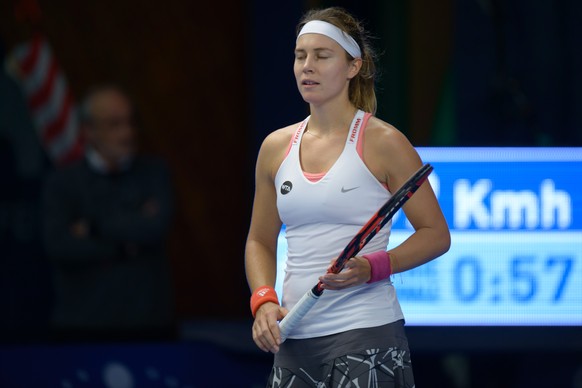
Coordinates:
x,y
380,266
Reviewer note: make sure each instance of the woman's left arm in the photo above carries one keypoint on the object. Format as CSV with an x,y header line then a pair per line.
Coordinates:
x,y
431,238
392,159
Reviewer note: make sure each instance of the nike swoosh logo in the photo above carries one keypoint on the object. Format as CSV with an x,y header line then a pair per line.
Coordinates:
x,y
344,190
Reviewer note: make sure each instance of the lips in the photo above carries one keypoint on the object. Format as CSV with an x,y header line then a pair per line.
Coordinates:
x,y
309,83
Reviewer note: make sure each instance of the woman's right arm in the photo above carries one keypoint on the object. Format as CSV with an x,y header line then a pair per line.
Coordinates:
x,y
261,245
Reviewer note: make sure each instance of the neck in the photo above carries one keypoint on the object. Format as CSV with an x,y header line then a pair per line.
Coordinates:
x,y
326,120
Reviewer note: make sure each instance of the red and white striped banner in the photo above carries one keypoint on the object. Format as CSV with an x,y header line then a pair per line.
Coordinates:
x,y
50,100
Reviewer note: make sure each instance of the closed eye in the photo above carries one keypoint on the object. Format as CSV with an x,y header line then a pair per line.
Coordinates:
x,y
320,53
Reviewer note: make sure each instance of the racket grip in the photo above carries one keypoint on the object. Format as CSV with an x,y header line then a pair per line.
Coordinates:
x,y
297,312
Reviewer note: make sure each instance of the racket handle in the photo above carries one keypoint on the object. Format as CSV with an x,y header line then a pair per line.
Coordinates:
x,y
297,312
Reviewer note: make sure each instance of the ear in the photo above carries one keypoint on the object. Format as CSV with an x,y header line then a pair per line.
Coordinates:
x,y
354,67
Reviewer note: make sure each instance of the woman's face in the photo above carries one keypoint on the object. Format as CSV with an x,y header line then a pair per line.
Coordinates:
x,y
322,69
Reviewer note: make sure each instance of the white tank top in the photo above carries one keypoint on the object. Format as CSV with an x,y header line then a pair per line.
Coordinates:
x,y
321,218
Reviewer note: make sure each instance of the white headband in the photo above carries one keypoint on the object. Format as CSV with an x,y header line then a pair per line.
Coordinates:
x,y
333,32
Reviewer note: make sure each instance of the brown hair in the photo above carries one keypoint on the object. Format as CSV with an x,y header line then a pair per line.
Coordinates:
x,y
361,90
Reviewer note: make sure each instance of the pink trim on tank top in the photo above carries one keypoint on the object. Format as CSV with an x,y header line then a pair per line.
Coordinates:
x,y
316,176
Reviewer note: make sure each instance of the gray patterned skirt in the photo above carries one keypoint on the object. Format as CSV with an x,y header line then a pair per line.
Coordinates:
x,y
371,357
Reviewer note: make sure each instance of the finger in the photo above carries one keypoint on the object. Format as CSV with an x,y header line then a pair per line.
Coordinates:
x,y
276,337
351,263
283,311
262,335
330,266
257,337
270,334
267,345
333,283
339,277
268,341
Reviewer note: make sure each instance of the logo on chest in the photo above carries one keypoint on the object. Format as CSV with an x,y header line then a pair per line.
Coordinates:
x,y
346,190
286,187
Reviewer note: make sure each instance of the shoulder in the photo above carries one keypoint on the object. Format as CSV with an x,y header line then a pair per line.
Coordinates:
x,y
387,151
279,138
61,181
274,147
384,134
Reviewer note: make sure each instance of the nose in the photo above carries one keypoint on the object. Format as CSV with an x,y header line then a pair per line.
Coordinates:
x,y
308,64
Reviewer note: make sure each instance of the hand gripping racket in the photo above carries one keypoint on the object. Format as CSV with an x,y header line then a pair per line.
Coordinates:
x,y
368,231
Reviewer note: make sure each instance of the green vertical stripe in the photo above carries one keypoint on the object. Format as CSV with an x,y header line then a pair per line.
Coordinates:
x,y
444,126
390,42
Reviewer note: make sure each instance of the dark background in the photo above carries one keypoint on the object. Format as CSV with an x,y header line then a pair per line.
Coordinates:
x,y
212,79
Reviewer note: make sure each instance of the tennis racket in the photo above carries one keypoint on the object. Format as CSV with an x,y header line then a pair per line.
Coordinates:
x,y
368,231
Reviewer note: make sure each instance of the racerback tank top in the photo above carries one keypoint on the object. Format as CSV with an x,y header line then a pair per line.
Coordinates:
x,y
321,218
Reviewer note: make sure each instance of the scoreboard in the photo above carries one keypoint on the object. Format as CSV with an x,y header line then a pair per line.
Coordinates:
x,y
515,216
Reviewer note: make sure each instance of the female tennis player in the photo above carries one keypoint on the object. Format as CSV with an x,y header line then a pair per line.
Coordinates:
x,y
324,177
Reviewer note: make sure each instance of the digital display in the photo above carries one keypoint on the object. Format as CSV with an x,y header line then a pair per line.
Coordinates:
x,y
515,216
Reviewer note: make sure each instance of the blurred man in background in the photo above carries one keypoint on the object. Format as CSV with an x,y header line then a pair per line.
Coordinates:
x,y
106,219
